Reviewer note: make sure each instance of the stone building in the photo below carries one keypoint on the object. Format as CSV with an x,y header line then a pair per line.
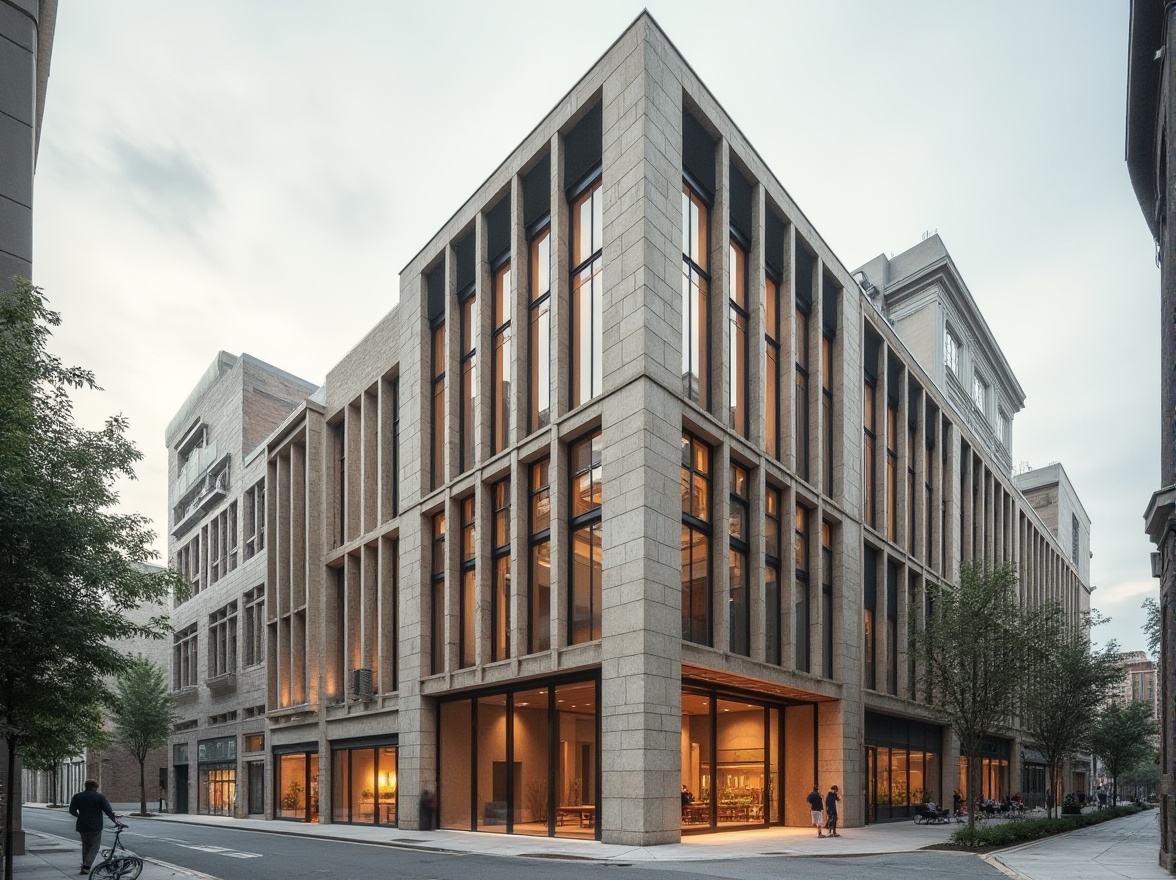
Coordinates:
x,y
633,491
1151,90
216,479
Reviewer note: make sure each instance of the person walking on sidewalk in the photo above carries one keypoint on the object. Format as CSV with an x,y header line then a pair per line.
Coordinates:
x,y
831,800
815,804
88,806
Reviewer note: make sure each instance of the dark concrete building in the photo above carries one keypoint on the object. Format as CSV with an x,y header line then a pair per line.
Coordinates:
x,y
1150,94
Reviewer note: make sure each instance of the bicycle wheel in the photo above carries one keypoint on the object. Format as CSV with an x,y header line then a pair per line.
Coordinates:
x,y
121,868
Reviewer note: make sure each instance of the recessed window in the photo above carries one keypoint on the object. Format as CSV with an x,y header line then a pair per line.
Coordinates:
x,y
951,352
980,393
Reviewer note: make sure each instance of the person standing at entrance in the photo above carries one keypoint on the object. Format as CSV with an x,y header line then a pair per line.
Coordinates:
x,y
815,804
88,806
831,801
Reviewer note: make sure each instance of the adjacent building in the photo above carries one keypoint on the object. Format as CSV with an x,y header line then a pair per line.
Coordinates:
x,y
1139,681
217,540
1151,90
26,47
637,488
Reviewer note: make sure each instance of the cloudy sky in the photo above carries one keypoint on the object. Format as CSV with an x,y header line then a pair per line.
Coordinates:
x,y
252,176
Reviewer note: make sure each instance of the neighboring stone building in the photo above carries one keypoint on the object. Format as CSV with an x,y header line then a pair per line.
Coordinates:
x,y
1151,90
1140,682
635,488
1049,490
26,41
216,473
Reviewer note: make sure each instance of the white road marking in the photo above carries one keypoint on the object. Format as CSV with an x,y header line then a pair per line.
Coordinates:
x,y
221,850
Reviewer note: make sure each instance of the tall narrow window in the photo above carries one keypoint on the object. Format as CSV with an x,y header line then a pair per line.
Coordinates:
x,y
928,482
393,464
540,339
829,302
801,611
827,626
501,367
437,453
892,464
772,367
587,296
870,606
585,528
340,437
738,320
773,571
437,618
870,442
469,375
468,610
739,530
695,298
891,627
500,604
951,351
539,582
804,268
911,503
696,541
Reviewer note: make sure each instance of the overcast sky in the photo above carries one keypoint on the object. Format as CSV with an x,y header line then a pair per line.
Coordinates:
x,y
252,176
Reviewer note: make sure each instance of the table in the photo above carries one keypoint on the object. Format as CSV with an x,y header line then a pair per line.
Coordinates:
x,y
585,812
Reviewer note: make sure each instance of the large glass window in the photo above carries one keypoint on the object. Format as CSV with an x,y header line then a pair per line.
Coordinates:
x,y
870,606
772,366
696,541
773,571
297,786
467,436
539,411
695,298
437,451
800,405
587,296
437,618
533,756
801,612
363,785
218,789
468,601
738,320
892,465
870,440
827,430
827,626
501,367
539,573
500,600
587,549
739,529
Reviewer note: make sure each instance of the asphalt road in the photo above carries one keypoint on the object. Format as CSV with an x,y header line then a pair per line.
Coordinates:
x,y
232,854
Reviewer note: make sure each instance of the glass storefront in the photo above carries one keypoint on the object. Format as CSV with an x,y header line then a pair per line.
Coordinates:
x,y
994,772
363,784
217,793
296,785
522,761
732,752
902,766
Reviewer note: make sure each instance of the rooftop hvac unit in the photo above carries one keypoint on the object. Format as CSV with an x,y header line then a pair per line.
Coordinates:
x,y
361,684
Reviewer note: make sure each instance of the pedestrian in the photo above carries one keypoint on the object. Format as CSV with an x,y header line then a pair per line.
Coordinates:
x,y
831,800
818,807
88,806
428,808
687,798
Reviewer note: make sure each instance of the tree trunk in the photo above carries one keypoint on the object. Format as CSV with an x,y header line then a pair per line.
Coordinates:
x,y
142,786
9,806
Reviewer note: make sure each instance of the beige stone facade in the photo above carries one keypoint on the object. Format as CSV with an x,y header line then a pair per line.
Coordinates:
x,y
598,516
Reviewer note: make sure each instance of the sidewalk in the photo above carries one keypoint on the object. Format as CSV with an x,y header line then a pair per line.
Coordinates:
x,y
1123,848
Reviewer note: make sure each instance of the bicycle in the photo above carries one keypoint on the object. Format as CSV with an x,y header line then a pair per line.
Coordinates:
x,y
118,862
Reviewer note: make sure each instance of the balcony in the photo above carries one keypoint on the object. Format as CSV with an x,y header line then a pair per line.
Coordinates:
x,y
208,488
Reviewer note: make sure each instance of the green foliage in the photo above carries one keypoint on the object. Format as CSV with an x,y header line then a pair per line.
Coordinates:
x,y
1122,737
143,711
70,565
1070,684
1023,830
975,650
1152,626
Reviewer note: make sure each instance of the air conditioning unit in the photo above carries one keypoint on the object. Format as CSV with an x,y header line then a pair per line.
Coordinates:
x,y
361,684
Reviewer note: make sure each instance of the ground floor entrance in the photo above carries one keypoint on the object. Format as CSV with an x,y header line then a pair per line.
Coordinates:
x,y
296,773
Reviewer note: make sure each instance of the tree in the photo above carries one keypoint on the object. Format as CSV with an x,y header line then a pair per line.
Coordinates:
x,y
69,563
1152,626
1122,738
49,741
1064,687
1144,777
143,711
973,648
